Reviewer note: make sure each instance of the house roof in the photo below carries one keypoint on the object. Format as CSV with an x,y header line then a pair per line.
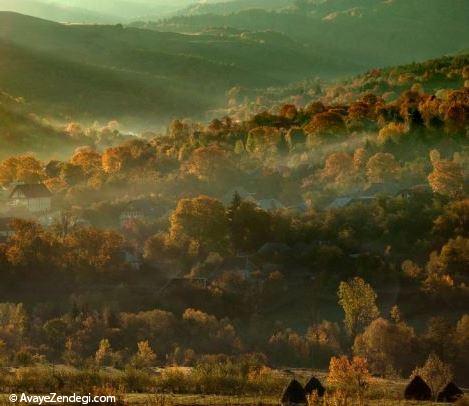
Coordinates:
x,y
300,207
340,202
270,248
238,263
32,191
416,189
270,204
384,188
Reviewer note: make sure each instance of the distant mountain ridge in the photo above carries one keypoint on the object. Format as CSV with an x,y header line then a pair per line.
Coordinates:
x,y
374,32
232,6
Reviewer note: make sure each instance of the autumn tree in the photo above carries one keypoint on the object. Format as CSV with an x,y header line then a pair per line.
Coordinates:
x,y
391,132
449,267
87,159
23,168
360,157
326,124
115,159
360,115
201,219
71,174
55,331
288,111
387,346
461,342
263,139
349,377
13,324
157,247
32,248
91,249
447,176
178,129
358,300
315,108
438,338
104,355
382,167
338,167
454,220
289,346
209,163
145,356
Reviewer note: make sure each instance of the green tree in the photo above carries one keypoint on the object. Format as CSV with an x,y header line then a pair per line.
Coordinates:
x,y
358,300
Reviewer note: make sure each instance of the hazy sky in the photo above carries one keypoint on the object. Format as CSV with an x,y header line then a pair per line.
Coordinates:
x,y
95,10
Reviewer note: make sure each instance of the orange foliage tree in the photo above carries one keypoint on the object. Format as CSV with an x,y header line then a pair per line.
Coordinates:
x,y
349,377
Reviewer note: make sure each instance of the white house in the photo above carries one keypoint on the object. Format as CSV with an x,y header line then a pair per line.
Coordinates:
x,y
35,198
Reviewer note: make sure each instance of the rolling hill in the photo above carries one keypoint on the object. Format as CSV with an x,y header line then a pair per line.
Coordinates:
x,y
97,71
22,131
232,6
376,33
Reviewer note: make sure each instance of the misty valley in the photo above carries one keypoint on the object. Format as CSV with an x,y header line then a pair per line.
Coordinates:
x,y
240,202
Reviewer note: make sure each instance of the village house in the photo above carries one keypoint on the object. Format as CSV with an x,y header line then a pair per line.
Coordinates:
x,y
5,228
135,211
34,198
270,204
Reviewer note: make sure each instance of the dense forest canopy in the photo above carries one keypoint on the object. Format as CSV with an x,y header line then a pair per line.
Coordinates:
x,y
197,203
234,223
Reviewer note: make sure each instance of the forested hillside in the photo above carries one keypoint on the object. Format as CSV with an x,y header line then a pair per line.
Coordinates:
x,y
215,204
92,72
242,243
233,6
376,33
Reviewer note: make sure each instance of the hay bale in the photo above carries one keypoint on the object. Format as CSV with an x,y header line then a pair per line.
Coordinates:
x,y
417,389
294,394
450,394
314,385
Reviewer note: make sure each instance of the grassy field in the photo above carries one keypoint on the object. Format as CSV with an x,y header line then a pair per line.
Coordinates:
x,y
206,400
381,392
216,400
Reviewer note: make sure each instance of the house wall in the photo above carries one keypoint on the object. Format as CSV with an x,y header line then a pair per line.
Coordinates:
x,y
39,204
35,205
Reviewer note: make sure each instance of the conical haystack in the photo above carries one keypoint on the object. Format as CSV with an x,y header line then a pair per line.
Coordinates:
x,y
294,394
451,393
314,385
417,389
